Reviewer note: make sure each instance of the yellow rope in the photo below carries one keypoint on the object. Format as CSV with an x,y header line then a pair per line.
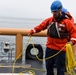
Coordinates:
x,y
18,57
47,57
70,61
30,71
36,56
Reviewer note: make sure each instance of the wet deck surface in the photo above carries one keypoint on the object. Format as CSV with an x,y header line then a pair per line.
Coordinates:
x,y
37,66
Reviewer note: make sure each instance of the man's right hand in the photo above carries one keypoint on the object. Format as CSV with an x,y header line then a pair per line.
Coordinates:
x,y
31,32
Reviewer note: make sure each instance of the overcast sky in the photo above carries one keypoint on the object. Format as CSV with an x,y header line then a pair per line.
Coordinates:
x,y
32,8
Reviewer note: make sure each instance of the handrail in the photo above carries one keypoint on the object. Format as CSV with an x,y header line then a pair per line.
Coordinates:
x,y
22,31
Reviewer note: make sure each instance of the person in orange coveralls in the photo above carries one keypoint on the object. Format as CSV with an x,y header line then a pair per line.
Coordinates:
x,y
59,28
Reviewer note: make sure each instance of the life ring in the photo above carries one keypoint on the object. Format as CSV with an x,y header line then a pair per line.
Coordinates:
x,y
31,54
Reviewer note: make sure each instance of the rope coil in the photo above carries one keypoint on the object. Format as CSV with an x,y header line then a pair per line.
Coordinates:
x,y
70,61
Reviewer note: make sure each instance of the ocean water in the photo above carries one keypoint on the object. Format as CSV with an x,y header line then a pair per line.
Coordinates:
x,y
9,22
